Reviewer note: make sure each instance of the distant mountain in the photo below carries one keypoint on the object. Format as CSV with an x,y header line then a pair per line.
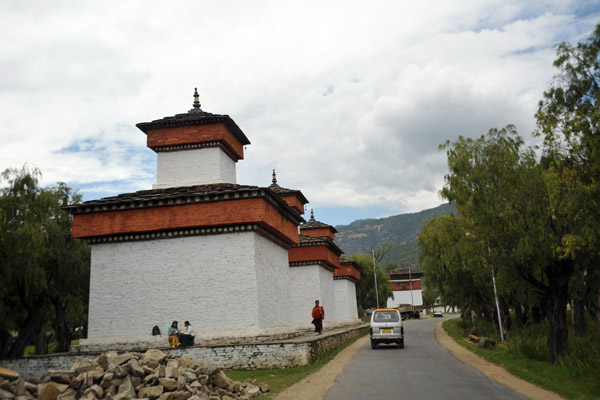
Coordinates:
x,y
362,236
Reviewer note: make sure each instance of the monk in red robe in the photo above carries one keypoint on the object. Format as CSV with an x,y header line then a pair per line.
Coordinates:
x,y
318,314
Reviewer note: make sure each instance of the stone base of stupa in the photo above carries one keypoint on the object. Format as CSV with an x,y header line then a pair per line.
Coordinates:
x,y
214,338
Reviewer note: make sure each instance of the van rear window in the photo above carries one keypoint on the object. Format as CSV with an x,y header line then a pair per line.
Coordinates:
x,y
386,316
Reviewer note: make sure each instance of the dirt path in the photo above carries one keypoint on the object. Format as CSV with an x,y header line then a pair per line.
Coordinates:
x,y
492,371
315,386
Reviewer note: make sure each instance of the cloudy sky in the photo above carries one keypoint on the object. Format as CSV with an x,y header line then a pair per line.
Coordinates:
x,y
347,100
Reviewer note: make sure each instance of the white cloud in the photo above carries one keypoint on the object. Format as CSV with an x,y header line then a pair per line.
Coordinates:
x,y
347,100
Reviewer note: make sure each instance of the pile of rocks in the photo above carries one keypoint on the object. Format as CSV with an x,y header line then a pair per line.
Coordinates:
x,y
151,375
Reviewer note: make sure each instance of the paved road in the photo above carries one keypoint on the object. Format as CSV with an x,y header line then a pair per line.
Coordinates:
x,y
422,370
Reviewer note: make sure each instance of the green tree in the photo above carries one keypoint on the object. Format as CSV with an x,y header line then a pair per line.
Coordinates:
x,y
454,266
522,213
66,262
568,118
24,282
41,266
365,291
430,295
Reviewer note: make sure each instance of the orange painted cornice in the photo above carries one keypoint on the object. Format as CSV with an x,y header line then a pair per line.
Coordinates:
x,y
347,270
161,138
294,201
318,232
258,211
320,252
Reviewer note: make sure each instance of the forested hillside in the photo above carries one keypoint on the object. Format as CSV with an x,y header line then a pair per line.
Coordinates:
x,y
401,231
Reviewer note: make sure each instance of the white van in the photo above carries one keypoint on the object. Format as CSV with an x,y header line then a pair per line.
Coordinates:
x,y
386,327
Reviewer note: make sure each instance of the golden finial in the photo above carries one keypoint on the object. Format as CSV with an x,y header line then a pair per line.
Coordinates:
x,y
312,214
196,98
274,177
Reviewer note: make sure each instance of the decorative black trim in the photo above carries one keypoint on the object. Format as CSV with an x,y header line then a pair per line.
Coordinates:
x,y
347,277
187,232
320,263
195,146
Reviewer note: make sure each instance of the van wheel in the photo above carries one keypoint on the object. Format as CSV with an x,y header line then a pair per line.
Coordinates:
x,y
401,343
373,344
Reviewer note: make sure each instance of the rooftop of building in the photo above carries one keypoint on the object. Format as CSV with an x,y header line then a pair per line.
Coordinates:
x,y
312,223
306,240
195,116
182,195
281,191
405,270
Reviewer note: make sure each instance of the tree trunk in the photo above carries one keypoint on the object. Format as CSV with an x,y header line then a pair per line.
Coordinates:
x,y
465,310
4,338
578,308
27,331
598,309
492,316
557,311
487,314
63,334
520,316
506,320
41,341
536,314
527,318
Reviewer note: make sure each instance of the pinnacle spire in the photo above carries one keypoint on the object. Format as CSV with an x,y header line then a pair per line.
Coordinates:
x,y
312,215
196,101
274,177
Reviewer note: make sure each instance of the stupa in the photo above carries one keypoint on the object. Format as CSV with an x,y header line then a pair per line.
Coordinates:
x,y
312,264
197,246
345,279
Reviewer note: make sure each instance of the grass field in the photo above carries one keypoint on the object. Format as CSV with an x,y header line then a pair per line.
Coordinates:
x,y
524,353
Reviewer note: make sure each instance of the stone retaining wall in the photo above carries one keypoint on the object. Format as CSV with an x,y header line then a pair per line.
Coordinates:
x,y
276,354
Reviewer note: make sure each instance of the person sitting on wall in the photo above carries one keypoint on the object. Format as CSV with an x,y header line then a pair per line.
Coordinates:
x,y
187,335
174,335
318,314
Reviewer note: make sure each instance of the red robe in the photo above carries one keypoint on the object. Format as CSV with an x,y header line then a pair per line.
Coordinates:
x,y
318,314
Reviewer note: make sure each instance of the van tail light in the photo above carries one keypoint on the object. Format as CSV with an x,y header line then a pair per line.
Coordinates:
x,y
371,331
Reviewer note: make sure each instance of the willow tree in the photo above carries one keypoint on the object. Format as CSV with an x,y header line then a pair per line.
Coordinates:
x,y
454,265
568,118
44,271
515,206
23,287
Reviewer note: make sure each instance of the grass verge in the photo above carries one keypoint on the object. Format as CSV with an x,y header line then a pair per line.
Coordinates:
x,y
279,379
576,376
52,348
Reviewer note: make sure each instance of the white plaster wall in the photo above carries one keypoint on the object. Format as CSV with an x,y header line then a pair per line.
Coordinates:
x,y
403,297
327,297
272,277
194,167
345,299
212,281
307,284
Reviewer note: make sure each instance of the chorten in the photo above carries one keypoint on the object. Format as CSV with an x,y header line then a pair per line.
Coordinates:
x,y
312,264
197,247
345,279
294,198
